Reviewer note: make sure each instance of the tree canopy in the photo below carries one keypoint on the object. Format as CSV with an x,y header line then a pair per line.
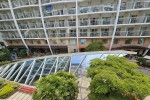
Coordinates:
x,y
96,46
59,86
117,79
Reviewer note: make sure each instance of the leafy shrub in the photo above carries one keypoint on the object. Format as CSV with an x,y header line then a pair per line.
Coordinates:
x,y
95,46
141,60
59,86
22,53
5,55
6,91
117,79
4,62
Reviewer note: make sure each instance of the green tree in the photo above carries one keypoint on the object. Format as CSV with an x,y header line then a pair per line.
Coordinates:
x,y
59,86
95,46
22,53
4,54
117,79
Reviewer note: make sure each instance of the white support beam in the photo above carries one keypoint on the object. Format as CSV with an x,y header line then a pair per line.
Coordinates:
x,y
66,63
70,63
56,64
43,67
77,25
37,72
12,70
52,66
22,67
42,18
80,63
33,65
115,26
25,72
5,69
16,24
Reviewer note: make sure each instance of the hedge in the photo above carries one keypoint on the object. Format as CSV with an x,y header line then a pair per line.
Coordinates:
x,y
4,62
6,91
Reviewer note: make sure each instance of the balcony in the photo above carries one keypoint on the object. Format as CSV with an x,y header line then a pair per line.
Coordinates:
x,y
30,25
106,33
5,16
7,27
83,34
72,34
27,15
131,20
23,3
94,34
33,35
4,5
61,35
145,33
135,5
10,35
52,1
98,8
58,12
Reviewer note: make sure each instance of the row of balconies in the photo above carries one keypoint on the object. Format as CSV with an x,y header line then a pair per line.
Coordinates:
x,y
81,34
27,14
108,7
82,22
51,1
5,16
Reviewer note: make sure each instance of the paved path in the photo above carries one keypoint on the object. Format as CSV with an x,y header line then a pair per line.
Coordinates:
x,y
145,70
20,96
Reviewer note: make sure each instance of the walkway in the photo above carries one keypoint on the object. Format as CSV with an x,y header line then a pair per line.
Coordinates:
x,y
20,96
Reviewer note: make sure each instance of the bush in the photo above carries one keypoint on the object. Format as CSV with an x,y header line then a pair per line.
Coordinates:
x,y
117,79
4,62
141,60
6,91
59,86
5,55
95,46
23,53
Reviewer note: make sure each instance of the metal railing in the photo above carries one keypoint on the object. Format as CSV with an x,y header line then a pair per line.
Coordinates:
x,y
4,5
5,16
7,27
51,1
20,3
27,14
30,25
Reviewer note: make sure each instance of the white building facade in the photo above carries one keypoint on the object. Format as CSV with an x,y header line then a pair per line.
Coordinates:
x,y
73,24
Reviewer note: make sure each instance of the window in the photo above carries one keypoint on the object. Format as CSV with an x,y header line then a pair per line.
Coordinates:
x,y
54,42
72,33
94,32
31,41
38,42
105,41
72,42
128,41
83,32
17,41
105,31
83,41
45,41
141,41
63,41
116,41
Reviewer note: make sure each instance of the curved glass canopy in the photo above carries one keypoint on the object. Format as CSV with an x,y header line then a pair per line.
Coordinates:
x,y
30,70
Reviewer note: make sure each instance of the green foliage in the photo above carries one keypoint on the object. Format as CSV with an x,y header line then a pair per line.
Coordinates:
x,y
95,46
23,53
4,55
116,78
59,86
4,62
7,88
141,60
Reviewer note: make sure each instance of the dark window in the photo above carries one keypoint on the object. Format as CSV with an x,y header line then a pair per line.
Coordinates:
x,y
128,41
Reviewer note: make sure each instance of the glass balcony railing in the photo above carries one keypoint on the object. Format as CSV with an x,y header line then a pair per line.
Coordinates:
x,y
96,22
135,5
30,25
83,34
59,12
60,24
20,3
27,15
98,8
10,36
130,20
7,27
5,16
4,5
133,33
51,1
33,35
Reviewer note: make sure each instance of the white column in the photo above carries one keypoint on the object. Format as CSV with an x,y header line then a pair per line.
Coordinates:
x,y
12,13
115,26
40,7
77,26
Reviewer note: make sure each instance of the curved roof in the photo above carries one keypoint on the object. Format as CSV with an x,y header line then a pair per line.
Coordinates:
x,y
29,70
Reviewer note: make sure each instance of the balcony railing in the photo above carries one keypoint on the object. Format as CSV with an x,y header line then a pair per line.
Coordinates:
x,y
4,5
59,12
133,33
5,16
7,27
71,34
135,5
23,3
27,15
144,19
30,25
98,8
10,36
51,1
60,24
33,35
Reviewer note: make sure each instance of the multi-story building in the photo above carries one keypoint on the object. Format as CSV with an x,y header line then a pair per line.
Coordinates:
x,y
70,25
